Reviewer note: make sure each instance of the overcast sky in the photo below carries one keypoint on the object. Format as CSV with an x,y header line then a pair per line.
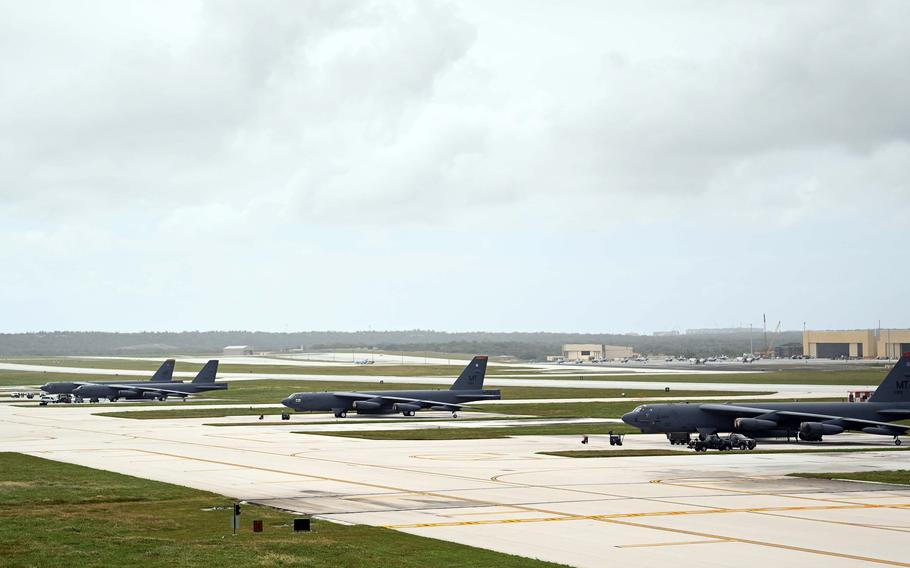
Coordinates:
x,y
559,166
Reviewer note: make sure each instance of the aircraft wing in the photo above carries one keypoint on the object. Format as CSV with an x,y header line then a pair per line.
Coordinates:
x,y
849,423
356,395
744,411
377,397
143,388
423,402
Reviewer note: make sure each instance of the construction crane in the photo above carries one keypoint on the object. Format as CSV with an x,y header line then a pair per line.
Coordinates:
x,y
775,335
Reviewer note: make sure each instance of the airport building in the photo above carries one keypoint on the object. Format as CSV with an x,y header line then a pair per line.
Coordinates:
x,y
857,344
591,351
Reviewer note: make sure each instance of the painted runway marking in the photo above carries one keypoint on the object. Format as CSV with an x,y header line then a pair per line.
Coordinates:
x,y
650,514
682,543
763,543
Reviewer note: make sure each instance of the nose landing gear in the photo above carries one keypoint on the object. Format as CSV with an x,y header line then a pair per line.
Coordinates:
x,y
897,441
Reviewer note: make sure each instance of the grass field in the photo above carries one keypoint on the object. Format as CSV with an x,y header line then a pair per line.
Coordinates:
x,y
800,375
595,409
640,453
483,433
54,514
898,476
33,379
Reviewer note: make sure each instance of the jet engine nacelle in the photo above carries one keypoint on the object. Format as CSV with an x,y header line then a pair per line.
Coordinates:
x,y
93,391
443,408
151,395
813,431
405,407
754,424
366,405
880,430
126,393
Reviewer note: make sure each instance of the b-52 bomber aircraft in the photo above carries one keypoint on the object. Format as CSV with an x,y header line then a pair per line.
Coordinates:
x,y
466,388
164,374
807,420
151,390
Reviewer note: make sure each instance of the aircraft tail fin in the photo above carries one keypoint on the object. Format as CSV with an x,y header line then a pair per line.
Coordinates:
x,y
896,386
472,376
208,372
165,373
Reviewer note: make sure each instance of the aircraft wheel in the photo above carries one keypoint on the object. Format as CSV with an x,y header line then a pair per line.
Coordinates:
x,y
344,413
897,441
743,446
454,415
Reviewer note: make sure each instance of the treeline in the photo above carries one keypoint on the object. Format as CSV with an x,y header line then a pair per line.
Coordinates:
x,y
525,346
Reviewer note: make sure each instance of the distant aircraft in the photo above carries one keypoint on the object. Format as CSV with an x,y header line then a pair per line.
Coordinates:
x,y
807,420
164,374
204,381
467,387
364,361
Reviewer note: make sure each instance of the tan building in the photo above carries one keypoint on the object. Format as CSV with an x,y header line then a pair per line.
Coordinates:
x,y
857,344
892,343
592,351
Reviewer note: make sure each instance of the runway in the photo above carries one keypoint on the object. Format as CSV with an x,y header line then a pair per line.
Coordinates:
x,y
691,510
491,381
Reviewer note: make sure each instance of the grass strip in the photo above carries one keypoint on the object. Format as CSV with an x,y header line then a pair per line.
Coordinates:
x,y
896,476
55,514
264,392
450,433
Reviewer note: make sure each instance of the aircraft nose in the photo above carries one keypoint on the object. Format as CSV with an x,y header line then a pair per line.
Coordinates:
x,y
629,417
287,402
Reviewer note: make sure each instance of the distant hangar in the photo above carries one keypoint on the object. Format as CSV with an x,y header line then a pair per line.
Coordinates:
x,y
594,351
857,343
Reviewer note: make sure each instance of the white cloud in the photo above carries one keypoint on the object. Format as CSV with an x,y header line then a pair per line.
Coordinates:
x,y
331,149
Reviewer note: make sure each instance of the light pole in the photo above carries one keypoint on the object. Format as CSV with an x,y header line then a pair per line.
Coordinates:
x,y
805,345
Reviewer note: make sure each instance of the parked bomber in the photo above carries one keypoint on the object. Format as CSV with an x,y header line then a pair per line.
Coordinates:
x,y
164,374
160,390
466,388
807,420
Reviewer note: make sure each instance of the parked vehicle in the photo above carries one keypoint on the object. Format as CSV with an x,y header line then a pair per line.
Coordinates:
x,y
678,438
715,442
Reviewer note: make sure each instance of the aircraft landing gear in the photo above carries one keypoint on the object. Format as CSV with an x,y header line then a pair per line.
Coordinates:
x,y
897,441
341,414
454,415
